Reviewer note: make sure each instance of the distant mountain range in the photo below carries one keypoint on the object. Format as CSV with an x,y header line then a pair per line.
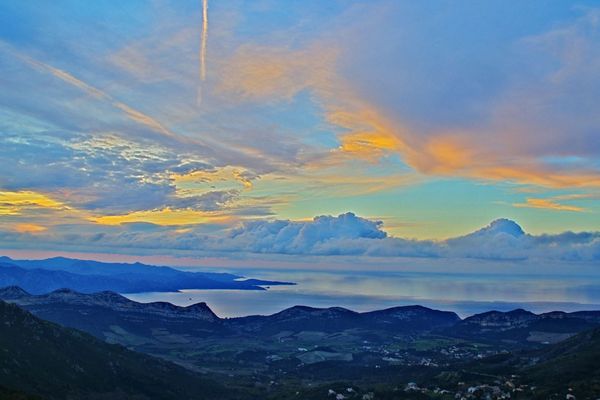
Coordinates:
x,y
521,326
43,276
99,313
336,319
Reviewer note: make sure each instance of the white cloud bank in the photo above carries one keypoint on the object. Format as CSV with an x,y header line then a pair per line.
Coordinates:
x,y
344,235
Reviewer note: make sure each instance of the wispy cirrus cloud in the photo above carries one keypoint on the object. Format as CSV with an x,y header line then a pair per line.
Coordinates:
x,y
503,145
548,204
130,112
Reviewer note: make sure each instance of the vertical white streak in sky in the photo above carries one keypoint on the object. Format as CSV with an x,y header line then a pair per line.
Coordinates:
x,y
204,39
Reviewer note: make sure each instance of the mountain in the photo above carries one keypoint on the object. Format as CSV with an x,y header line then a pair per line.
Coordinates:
x,y
43,281
299,348
416,318
98,312
46,360
524,327
197,339
298,318
335,319
113,317
116,319
111,300
91,267
13,293
43,276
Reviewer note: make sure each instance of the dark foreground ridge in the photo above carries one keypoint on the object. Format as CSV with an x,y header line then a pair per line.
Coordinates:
x,y
44,360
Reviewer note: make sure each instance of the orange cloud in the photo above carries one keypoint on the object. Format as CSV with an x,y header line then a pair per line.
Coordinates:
x,y
529,173
29,228
268,73
367,143
446,154
367,133
548,205
12,203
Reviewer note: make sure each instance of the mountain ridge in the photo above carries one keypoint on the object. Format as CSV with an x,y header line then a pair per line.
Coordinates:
x,y
76,308
42,276
110,298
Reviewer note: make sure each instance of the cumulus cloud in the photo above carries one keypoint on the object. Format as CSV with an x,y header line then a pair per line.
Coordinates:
x,y
348,234
502,239
342,235
314,236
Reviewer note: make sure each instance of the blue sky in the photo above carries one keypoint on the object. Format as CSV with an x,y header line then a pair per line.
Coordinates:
x,y
427,120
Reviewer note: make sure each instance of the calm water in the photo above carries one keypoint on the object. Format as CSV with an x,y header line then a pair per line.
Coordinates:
x,y
465,294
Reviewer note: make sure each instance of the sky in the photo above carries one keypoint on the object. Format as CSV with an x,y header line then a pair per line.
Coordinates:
x,y
307,131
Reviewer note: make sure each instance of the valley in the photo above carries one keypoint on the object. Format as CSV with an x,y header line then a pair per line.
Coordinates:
x,y
400,351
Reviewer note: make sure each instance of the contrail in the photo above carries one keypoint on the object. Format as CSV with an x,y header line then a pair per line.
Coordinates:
x,y
203,48
204,39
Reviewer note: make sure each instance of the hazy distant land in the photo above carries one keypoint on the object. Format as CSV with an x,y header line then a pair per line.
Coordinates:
x,y
43,276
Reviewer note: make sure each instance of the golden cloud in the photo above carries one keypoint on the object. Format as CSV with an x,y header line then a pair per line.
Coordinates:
x,y
29,228
13,203
548,204
367,133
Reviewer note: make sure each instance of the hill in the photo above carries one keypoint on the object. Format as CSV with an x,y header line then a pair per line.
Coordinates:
x,y
44,359
195,337
116,319
547,372
521,327
572,363
97,312
405,319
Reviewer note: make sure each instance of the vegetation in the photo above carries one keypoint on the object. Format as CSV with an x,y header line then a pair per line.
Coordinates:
x,y
299,353
43,359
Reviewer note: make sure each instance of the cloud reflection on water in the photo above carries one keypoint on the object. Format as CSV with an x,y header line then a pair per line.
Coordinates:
x,y
363,291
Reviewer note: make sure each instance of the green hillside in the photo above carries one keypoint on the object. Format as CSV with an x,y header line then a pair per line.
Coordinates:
x,y
573,363
44,359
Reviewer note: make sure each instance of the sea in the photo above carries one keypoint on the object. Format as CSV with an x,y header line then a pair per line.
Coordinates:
x,y
464,293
